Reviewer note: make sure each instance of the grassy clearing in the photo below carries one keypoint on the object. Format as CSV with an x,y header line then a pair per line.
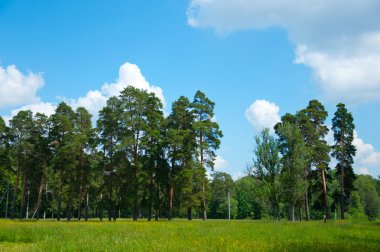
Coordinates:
x,y
181,235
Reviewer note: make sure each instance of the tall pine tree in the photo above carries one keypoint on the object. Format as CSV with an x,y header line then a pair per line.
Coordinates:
x,y
344,151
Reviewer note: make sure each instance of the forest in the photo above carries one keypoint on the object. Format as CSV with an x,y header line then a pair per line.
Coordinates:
x,y
138,163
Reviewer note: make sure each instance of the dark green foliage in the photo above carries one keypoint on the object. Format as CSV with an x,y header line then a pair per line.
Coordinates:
x,y
138,163
295,156
250,203
344,151
208,139
220,186
266,168
368,196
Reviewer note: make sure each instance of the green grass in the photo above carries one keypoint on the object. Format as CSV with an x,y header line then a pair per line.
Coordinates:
x,y
181,235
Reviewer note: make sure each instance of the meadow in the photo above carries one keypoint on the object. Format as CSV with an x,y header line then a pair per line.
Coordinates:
x,y
196,235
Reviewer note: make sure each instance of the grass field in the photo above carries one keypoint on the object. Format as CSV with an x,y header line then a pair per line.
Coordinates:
x,y
181,235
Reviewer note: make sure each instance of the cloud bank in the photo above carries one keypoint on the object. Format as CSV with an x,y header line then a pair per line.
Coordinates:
x,y
93,101
339,40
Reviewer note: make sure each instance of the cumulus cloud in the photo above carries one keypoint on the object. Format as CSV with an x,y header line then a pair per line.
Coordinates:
x,y
17,88
93,101
130,75
41,107
367,158
263,114
338,40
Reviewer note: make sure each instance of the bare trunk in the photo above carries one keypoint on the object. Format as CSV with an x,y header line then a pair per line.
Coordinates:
x,y
23,197
15,192
189,213
80,194
292,213
204,201
86,209
110,201
171,201
68,215
150,212
171,187
326,203
300,213
42,183
203,181
135,211
60,195
307,205
101,208
156,215
342,182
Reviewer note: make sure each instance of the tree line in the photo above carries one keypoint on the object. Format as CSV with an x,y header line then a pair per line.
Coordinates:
x,y
138,163
135,162
291,175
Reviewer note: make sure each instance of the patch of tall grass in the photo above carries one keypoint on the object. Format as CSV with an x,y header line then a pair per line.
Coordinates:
x,y
196,235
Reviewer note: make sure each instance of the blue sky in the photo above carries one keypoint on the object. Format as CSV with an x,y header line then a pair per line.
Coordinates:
x,y
256,60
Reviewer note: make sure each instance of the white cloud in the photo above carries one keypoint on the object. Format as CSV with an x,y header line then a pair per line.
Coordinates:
x,y
367,159
41,107
93,101
130,75
263,114
17,88
220,163
339,40
354,76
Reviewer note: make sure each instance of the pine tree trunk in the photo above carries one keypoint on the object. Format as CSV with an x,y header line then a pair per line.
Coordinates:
x,y
23,198
86,209
15,192
342,182
150,212
300,213
101,208
203,180
189,213
60,195
326,203
171,201
110,200
204,201
307,205
80,200
156,215
42,183
68,217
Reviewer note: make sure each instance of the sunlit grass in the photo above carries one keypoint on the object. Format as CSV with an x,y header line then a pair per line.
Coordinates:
x,y
181,235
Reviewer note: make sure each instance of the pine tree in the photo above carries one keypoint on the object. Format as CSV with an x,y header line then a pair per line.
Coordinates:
x,y
344,151
182,148
65,156
21,126
208,139
311,121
